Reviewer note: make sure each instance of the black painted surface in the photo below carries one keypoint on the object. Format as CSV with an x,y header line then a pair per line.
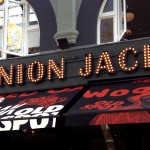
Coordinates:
x,y
75,59
47,22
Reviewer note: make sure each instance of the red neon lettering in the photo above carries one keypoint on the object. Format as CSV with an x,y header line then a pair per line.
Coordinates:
x,y
120,92
141,80
141,90
76,88
104,105
65,90
12,95
89,94
1,96
27,94
58,91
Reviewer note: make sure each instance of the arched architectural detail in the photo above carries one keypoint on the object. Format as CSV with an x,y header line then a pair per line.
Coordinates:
x,y
111,23
87,22
47,23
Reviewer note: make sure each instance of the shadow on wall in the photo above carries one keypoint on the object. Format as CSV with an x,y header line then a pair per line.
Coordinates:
x,y
87,22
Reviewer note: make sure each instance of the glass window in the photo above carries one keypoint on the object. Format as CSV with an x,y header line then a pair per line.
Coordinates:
x,y
1,29
108,6
111,24
32,17
33,32
15,28
106,27
19,29
1,26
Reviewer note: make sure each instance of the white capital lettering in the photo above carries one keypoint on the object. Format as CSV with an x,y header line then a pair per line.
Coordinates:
x,y
7,117
24,111
53,108
18,123
37,110
35,125
23,116
7,126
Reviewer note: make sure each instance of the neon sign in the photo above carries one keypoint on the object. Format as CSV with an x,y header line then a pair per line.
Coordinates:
x,y
36,71
76,67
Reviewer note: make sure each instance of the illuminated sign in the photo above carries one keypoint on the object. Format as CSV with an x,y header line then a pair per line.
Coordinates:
x,y
76,67
17,113
36,71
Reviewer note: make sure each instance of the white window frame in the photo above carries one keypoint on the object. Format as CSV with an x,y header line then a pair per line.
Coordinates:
x,y
26,29
30,28
116,20
120,18
2,46
6,29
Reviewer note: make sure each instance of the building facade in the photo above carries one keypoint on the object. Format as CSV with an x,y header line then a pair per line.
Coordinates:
x,y
74,74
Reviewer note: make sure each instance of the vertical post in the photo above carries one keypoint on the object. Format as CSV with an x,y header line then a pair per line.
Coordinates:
x,y
4,48
66,21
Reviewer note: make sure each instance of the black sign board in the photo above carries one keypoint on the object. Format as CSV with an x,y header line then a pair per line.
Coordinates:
x,y
74,67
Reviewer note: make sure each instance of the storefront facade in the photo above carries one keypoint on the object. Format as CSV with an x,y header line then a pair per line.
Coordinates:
x,y
78,78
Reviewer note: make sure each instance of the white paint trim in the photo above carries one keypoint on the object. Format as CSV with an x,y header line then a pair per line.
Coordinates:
x,y
116,20
25,28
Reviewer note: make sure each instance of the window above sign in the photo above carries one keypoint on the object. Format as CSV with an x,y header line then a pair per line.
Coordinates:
x,y
111,25
18,27
121,20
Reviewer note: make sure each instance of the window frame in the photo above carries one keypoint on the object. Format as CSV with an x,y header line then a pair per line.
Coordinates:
x,y
25,28
116,20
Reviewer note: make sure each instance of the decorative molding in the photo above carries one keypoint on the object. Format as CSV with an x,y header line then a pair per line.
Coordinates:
x,y
66,21
70,35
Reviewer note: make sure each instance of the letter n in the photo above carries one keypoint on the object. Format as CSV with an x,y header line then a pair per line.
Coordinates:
x,y
8,77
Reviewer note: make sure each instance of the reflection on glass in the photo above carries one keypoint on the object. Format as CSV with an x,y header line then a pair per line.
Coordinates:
x,y
15,26
106,28
1,18
109,6
121,17
1,28
32,18
34,50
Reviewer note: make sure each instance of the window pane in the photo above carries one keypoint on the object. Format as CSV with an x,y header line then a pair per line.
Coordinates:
x,y
33,33
106,29
32,18
109,6
15,26
1,28
33,41
1,18
122,19
34,50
